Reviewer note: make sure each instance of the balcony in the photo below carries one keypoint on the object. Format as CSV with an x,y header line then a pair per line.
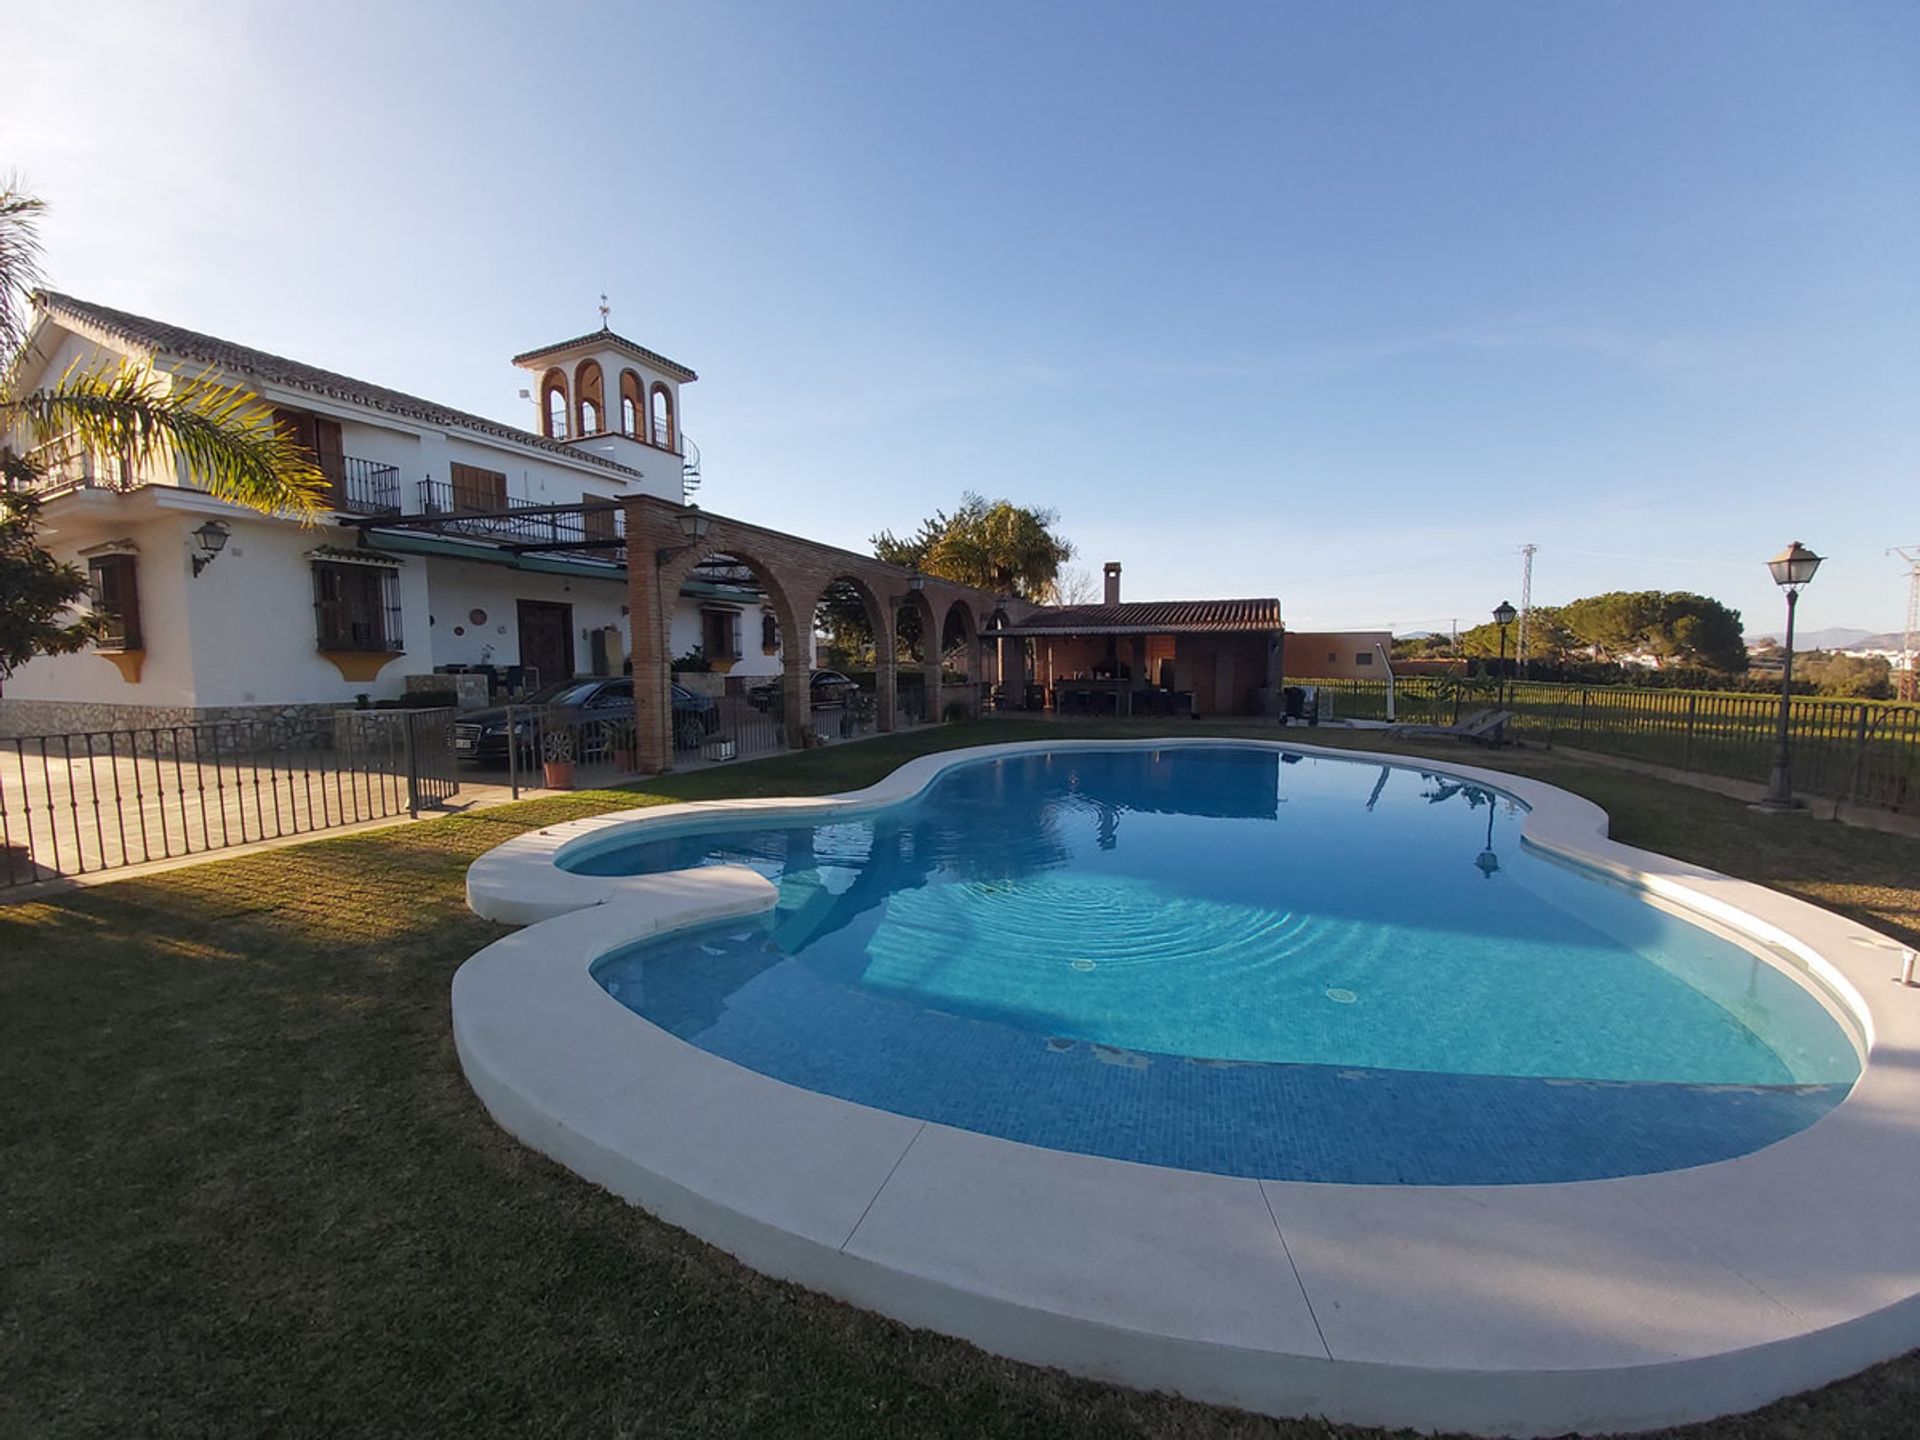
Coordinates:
x,y
64,465
489,516
363,487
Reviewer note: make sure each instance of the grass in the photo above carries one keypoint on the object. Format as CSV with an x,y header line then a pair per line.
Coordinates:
x,y
244,1189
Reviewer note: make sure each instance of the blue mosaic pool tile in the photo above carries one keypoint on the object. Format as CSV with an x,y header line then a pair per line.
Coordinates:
x,y
1340,1124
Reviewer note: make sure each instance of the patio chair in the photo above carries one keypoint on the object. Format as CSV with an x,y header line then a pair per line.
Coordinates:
x,y
1482,727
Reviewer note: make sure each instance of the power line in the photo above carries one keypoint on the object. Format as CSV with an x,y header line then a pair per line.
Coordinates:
x,y
1660,559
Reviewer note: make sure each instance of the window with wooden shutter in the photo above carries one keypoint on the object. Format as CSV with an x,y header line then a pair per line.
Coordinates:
x,y
720,634
320,438
356,607
116,598
477,491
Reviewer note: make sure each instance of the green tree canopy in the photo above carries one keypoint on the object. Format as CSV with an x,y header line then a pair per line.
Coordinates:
x,y
37,592
1866,677
1678,625
991,544
1548,637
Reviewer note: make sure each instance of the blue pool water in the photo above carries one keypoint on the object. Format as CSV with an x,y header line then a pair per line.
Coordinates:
x,y
1238,961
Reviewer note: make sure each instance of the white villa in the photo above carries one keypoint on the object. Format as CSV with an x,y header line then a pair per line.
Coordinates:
x,y
221,612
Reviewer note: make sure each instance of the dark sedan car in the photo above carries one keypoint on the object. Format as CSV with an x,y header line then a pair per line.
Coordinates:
x,y
596,708
827,687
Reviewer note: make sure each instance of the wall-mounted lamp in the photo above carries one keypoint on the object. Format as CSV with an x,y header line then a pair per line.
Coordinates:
x,y
916,582
213,539
693,524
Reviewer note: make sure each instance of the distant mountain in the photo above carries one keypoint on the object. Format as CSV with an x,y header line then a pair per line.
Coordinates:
x,y
1834,637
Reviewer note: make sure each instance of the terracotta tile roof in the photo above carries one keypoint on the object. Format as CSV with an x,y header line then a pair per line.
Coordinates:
x,y
1160,617
604,336
242,360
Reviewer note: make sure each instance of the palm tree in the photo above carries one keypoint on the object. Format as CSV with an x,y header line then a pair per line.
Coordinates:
x,y
1002,547
225,435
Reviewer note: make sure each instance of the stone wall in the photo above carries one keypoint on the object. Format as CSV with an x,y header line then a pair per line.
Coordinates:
x,y
228,726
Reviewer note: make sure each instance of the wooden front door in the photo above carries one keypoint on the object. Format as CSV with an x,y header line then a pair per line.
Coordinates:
x,y
546,639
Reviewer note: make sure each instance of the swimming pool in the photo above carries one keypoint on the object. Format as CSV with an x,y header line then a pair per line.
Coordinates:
x,y
1243,961
1617,1304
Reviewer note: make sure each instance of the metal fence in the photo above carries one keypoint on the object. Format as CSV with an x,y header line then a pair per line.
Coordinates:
x,y
566,749
75,804
1865,752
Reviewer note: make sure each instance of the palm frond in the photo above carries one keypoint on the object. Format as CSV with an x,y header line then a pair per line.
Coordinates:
x,y
225,435
19,263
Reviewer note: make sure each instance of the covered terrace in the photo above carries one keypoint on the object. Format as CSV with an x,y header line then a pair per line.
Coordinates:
x,y
1181,657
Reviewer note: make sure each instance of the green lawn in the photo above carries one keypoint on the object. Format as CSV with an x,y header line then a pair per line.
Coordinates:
x,y
244,1189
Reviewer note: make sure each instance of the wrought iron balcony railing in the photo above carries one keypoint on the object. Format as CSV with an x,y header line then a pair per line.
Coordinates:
x,y
364,487
598,529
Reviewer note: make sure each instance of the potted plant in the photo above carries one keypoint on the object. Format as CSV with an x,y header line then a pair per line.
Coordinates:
x,y
719,747
556,756
621,740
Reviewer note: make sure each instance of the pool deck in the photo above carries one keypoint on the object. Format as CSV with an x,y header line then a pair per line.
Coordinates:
x,y
1523,1309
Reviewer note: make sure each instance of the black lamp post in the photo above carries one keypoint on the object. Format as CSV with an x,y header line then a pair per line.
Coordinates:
x,y
1486,861
1792,568
1503,614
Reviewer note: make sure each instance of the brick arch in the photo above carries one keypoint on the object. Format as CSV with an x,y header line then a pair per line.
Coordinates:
x,y
633,393
553,383
589,390
663,425
880,618
795,573
929,666
672,575
969,633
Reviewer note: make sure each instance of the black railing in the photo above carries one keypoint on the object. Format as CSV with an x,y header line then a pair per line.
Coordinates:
x,y
591,528
1863,752
366,487
77,804
65,464
689,469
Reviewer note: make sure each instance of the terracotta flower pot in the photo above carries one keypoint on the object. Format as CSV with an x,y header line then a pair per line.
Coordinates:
x,y
559,774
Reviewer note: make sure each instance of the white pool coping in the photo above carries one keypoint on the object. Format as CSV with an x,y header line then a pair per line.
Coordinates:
x,y
1518,1309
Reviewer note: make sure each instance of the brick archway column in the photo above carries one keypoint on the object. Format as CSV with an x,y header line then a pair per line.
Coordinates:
x,y
649,612
886,670
653,589
935,647
796,668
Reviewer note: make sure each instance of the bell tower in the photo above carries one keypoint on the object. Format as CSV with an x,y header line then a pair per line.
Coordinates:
x,y
609,396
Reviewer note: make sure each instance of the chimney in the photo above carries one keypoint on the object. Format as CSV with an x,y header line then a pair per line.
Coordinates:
x,y
1113,582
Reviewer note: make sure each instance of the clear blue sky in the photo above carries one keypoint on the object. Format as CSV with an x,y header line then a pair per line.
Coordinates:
x,y
1340,302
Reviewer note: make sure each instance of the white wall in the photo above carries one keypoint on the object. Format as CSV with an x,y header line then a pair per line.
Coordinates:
x,y
753,663
162,573
456,588
255,636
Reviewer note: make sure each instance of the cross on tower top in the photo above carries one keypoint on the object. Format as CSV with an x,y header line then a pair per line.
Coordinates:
x,y
605,310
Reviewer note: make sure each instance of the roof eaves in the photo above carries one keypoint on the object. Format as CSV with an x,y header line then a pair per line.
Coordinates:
x,y
619,342
156,338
